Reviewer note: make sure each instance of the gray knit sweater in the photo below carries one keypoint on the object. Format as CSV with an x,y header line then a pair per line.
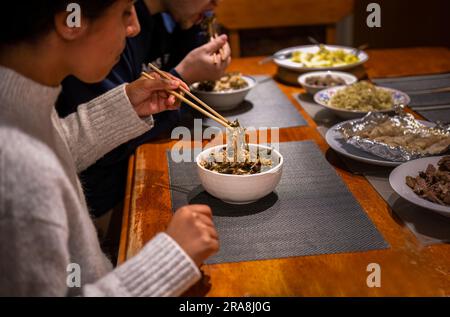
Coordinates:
x,y
44,221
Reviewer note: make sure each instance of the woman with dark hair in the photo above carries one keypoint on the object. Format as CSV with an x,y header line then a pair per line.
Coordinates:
x,y
45,228
171,38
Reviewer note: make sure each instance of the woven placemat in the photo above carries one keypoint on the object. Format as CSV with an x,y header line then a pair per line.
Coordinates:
x,y
430,99
428,227
310,212
431,104
265,106
411,84
436,115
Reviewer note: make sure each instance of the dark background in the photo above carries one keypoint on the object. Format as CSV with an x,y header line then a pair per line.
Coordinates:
x,y
404,23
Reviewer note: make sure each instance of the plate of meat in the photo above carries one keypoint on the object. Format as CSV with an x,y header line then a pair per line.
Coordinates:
x,y
424,182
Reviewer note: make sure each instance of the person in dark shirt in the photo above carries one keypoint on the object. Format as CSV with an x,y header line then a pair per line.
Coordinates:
x,y
172,39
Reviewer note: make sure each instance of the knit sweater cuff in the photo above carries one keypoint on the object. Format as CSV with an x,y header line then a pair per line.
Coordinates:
x,y
162,268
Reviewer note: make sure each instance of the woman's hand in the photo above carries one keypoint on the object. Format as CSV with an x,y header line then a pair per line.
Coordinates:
x,y
199,64
193,229
150,96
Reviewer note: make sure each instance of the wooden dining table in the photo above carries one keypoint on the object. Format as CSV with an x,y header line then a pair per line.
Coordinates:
x,y
407,267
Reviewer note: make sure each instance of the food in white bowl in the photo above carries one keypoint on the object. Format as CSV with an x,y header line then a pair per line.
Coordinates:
x,y
316,81
240,182
362,96
324,57
358,99
226,93
229,82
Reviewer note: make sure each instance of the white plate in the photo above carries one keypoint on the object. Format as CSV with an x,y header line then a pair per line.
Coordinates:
x,y
337,142
288,63
397,179
323,98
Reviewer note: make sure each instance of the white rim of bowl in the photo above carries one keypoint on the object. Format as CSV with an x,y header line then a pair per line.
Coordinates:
x,y
364,59
301,79
358,111
251,84
272,170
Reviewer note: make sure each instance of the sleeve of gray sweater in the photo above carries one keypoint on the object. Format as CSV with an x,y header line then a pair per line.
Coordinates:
x,y
42,226
100,125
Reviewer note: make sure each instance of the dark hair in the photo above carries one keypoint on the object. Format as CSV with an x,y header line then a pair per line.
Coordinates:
x,y
28,20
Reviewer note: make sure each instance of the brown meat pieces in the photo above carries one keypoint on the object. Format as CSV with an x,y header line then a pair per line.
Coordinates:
x,y
433,184
444,163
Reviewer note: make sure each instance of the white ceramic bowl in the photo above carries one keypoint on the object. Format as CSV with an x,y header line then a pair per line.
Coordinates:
x,y
348,78
323,98
289,64
224,100
240,189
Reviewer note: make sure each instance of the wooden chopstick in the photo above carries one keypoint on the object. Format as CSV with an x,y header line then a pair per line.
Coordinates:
x,y
187,92
193,105
190,103
429,91
221,51
212,36
425,108
214,57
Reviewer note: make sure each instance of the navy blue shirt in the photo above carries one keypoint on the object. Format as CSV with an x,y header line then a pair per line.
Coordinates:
x,y
160,42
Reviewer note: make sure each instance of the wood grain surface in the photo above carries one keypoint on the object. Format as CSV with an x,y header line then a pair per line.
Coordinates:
x,y
407,268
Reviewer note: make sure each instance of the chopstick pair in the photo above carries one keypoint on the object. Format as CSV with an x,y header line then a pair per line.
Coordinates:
x,y
221,51
212,114
212,36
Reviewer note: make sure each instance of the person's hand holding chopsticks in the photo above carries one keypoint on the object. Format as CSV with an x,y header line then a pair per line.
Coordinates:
x,y
184,90
150,96
207,62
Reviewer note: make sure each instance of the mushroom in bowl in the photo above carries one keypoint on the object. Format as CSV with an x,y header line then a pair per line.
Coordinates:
x,y
316,81
226,93
241,182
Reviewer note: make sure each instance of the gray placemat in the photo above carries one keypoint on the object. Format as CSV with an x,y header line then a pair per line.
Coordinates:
x,y
436,115
323,117
265,106
310,212
430,99
411,84
423,99
428,227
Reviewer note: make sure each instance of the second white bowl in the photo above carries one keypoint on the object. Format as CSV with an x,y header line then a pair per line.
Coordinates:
x,y
348,78
224,100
